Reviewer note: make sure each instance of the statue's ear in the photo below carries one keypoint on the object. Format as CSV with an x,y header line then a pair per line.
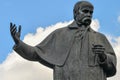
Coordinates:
x,y
75,14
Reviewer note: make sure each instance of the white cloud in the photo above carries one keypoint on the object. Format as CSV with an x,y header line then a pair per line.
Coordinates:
x,y
95,25
115,41
119,19
17,68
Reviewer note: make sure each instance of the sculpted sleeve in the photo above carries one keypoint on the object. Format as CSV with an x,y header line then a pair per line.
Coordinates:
x,y
33,53
109,65
40,52
26,51
54,49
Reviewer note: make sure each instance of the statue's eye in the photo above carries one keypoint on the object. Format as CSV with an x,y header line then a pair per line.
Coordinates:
x,y
85,11
91,12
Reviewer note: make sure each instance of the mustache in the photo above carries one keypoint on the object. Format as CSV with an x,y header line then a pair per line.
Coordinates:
x,y
86,19
80,18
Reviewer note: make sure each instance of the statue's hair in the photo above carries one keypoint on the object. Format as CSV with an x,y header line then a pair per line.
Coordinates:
x,y
81,4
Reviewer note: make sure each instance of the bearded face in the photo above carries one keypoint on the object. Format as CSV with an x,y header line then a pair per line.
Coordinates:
x,y
83,13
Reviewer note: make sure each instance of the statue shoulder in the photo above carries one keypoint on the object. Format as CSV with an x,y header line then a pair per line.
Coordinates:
x,y
61,30
101,34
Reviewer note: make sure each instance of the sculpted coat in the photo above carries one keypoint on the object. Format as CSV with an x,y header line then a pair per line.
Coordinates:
x,y
59,47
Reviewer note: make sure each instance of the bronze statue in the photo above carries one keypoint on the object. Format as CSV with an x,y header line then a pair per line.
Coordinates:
x,y
75,52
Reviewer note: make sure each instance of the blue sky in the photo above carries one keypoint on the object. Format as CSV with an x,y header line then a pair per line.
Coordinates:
x,y
32,14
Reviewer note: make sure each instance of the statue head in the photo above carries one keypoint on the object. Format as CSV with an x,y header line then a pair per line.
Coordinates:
x,y
83,11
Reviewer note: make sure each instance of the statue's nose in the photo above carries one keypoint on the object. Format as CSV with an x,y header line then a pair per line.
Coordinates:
x,y
88,14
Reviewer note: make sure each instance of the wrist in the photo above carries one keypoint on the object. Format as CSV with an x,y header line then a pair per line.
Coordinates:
x,y
17,41
102,58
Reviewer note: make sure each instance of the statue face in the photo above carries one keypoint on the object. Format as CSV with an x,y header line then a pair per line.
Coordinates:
x,y
84,16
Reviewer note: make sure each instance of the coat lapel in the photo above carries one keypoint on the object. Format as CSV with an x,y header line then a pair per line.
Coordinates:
x,y
92,41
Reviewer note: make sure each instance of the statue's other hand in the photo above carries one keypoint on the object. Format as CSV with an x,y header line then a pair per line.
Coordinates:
x,y
100,50
14,33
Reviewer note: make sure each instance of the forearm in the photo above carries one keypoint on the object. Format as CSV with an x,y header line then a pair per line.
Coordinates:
x,y
109,65
26,51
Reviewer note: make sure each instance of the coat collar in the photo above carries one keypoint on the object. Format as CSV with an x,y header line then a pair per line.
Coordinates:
x,y
73,25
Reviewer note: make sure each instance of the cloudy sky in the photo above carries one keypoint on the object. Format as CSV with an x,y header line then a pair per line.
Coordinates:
x,y
38,19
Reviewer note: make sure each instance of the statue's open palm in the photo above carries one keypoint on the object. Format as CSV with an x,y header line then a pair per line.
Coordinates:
x,y
15,33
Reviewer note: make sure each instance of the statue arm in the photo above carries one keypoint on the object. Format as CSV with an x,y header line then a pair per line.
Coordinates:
x,y
109,64
26,51
36,53
29,52
20,47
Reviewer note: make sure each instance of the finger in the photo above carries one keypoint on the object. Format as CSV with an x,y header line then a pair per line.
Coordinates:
x,y
98,45
13,31
99,52
99,48
11,26
19,30
14,25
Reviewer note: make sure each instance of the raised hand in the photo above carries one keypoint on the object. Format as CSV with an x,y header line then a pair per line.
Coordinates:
x,y
15,33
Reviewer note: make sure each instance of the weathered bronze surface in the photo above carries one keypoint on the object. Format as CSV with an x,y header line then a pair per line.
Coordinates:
x,y
75,52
